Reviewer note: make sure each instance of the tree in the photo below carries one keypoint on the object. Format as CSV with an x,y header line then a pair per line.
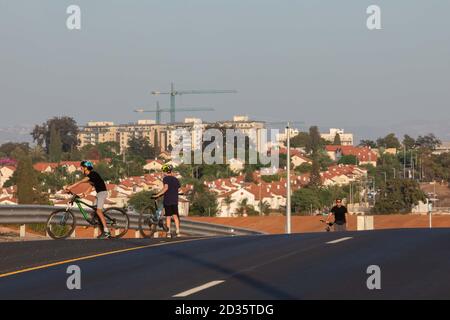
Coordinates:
x,y
37,154
368,143
337,140
389,141
398,196
324,160
141,147
430,142
156,142
249,178
203,201
67,128
27,182
300,141
90,152
409,142
8,149
315,145
108,150
107,172
53,181
303,168
142,200
265,207
245,209
348,159
228,201
55,147
305,199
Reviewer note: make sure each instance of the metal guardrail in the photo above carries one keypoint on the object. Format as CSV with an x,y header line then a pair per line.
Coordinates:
x,y
32,214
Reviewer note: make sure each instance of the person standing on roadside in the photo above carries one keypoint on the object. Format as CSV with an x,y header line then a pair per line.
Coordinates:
x,y
170,192
339,211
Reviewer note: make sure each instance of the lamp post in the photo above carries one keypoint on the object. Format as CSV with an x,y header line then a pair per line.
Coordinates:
x,y
288,181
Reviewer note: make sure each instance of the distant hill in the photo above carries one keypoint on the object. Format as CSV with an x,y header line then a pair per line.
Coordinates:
x,y
15,134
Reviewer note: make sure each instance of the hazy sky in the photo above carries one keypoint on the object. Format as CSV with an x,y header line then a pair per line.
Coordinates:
x,y
312,61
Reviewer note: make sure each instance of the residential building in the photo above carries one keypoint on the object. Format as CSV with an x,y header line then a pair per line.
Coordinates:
x,y
443,148
346,138
166,135
100,132
6,173
364,155
297,160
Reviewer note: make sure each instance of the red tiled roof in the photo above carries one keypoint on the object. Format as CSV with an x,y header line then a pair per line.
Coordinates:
x,y
42,166
363,154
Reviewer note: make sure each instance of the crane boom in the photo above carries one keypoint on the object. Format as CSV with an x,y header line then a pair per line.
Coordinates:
x,y
173,93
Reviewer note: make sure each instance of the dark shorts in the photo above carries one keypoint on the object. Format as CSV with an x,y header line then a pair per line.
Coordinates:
x,y
171,210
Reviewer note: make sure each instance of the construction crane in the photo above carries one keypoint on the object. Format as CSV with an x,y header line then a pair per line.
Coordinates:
x,y
160,110
173,93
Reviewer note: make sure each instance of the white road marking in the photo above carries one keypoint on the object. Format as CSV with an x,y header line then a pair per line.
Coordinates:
x,y
198,289
339,240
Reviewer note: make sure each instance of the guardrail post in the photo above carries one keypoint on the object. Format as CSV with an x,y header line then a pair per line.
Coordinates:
x,y
74,233
137,234
22,231
96,232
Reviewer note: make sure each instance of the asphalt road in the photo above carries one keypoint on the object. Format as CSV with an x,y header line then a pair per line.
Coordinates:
x,y
414,264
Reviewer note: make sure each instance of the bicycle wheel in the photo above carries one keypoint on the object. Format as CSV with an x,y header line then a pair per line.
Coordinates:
x,y
147,222
61,224
117,221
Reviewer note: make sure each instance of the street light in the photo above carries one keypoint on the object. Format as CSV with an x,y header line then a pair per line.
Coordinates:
x,y
288,181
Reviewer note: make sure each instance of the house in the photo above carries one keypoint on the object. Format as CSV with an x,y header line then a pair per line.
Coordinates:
x,y
153,165
229,209
8,201
6,173
365,155
70,166
274,195
45,167
298,159
342,175
443,148
165,156
174,163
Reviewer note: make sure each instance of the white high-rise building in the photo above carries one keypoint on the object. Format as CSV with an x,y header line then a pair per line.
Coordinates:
x,y
346,138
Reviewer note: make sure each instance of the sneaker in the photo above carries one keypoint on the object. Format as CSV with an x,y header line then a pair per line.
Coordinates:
x,y
169,235
104,236
178,234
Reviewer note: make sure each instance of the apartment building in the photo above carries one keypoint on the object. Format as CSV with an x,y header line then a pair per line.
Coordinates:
x,y
100,132
165,134
346,138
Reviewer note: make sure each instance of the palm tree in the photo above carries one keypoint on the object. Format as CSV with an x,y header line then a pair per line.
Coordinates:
x,y
228,202
243,207
37,154
265,208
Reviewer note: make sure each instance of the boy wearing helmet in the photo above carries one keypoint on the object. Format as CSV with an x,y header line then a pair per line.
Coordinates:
x,y
170,192
96,182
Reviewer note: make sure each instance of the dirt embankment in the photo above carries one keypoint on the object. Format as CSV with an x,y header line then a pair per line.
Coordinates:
x,y
276,225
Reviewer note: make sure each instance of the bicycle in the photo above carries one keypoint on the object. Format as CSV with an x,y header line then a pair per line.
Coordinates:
x,y
62,223
329,225
152,220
